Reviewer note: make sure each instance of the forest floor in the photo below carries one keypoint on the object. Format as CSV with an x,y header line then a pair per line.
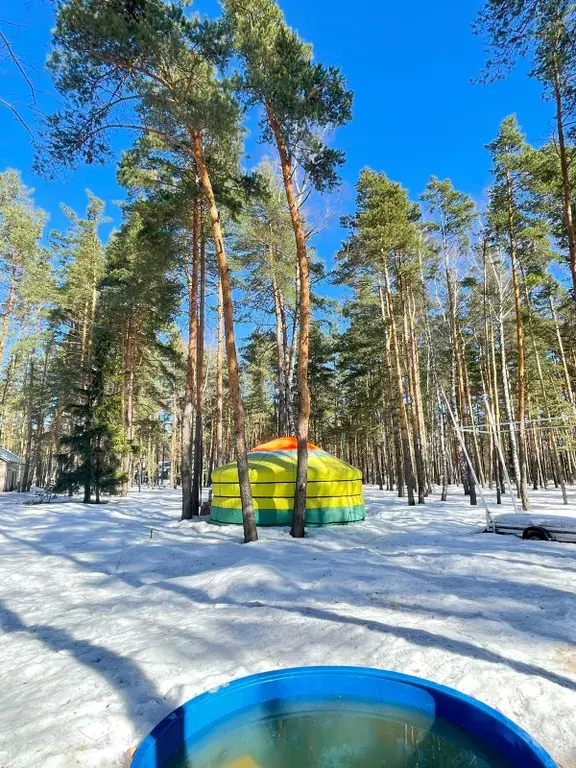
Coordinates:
x,y
113,615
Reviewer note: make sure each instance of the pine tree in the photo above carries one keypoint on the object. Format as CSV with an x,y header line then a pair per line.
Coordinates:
x,y
93,461
264,243
139,298
298,100
385,241
542,30
162,65
512,225
21,226
454,214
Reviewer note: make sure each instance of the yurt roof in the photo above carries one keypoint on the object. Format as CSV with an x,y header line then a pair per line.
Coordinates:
x,y
276,461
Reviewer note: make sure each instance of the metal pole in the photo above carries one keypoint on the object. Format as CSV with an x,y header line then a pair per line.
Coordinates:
x,y
489,521
499,447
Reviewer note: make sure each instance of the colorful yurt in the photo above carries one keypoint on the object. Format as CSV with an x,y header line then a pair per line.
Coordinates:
x,y
334,492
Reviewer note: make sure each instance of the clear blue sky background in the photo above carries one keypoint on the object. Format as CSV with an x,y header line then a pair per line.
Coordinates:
x,y
416,112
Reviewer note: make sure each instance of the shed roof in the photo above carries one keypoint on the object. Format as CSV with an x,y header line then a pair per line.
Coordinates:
x,y
9,457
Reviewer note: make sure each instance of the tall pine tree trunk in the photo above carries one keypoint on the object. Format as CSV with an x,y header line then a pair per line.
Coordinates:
x,y
392,401
304,330
554,455
281,351
567,382
521,407
566,175
410,366
191,383
174,444
218,440
457,376
415,360
406,451
27,478
7,313
128,363
250,532
198,432
494,395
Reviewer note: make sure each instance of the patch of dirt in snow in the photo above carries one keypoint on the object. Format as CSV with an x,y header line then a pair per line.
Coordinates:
x,y
566,657
105,629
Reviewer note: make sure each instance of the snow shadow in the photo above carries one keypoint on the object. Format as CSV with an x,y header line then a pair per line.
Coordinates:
x,y
121,673
198,602
416,636
378,578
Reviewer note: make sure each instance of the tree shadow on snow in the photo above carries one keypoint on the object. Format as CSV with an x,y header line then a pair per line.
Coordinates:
x,y
122,674
363,576
416,636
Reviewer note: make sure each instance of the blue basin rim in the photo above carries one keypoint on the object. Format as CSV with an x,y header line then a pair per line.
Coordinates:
x,y
194,719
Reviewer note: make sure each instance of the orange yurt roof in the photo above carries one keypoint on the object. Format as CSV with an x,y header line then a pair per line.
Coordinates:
x,y
276,461
283,444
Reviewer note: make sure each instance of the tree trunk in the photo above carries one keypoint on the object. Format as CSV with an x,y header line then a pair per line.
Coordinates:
x,y
97,471
508,405
39,442
88,328
7,313
219,446
415,421
554,455
415,361
521,408
190,388
567,382
489,377
566,179
250,532
392,401
173,446
281,349
457,369
302,425
407,456
378,466
26,478
198,434
128,415
5,389
495,398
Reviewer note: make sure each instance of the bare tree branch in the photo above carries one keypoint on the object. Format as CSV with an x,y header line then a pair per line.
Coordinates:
x,y
18,64
17,115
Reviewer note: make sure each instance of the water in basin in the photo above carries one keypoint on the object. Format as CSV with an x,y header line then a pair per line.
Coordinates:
x,y
336,734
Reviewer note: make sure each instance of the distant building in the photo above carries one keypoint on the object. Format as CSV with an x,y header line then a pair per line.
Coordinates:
x,y
9,470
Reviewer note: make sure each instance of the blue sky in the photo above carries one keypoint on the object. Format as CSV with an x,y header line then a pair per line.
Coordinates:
x,y
416,112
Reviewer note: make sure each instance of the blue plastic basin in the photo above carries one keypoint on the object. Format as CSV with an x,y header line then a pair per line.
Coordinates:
x,y
190,724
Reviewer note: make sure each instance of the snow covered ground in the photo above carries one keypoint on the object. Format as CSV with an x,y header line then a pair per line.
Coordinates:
x,y
111,616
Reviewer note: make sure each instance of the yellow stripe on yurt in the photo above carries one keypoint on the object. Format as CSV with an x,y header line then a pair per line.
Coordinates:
x,y
280,467
323,466
263,467
315,488
231,502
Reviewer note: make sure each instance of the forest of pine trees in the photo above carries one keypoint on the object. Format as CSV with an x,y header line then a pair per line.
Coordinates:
x,y
204,325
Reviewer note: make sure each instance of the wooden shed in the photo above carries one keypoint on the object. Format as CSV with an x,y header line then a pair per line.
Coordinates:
x,y
10,465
